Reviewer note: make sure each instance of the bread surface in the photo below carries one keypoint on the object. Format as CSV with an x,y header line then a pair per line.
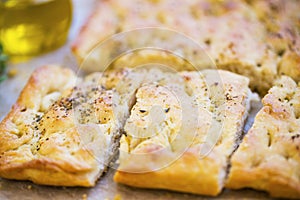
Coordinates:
x,y
269,157
62,130
258,39
182,131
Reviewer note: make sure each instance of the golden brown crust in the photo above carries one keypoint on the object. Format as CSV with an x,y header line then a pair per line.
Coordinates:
x,y
56,134
269,156
186,174
150,154
42,81
17,160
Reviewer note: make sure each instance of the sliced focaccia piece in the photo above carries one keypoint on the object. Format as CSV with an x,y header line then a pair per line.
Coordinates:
x,y
182,131
62,130
231,32
269,156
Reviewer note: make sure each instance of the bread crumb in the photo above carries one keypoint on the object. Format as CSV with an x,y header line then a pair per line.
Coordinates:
x,y
84,197
117,197
12,72
29,187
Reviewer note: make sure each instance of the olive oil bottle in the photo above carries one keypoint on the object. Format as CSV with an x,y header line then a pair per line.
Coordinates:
x,y
32,27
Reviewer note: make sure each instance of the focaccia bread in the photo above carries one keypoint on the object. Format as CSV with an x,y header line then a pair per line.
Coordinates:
x,y
62,130
281,19
239,36
269,157
182,131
